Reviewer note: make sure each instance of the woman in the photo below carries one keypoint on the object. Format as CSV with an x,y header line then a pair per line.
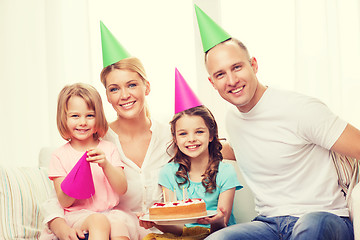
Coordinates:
x,y
141,141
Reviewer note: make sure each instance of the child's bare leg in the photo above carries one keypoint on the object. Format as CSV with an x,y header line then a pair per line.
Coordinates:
x,y
123,229
98,227
119,230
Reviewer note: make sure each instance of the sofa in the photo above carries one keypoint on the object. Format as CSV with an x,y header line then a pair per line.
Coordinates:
x,y
23,189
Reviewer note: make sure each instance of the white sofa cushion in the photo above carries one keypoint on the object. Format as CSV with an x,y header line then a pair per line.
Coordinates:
x,y
244,206
22,190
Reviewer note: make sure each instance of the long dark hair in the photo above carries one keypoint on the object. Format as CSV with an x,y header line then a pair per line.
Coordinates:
x,y
215,156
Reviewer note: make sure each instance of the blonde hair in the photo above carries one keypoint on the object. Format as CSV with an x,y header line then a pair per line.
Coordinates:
x,y
93,100
132,64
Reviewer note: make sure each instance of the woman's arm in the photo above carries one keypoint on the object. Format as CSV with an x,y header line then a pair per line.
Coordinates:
x,y
115,175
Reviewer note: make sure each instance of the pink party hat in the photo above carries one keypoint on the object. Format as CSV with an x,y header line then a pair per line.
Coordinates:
x,y
184,96
79,183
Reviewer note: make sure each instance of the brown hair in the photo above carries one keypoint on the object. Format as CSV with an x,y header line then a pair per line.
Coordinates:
x,y
93,100
214,148
132,64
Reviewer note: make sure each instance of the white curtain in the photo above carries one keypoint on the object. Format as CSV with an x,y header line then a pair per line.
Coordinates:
x,y
307,46
37,58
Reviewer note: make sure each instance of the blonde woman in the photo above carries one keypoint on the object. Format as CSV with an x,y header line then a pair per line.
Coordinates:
x,y
141,141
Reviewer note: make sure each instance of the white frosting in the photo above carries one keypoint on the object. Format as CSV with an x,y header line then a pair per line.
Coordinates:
x,y
178,203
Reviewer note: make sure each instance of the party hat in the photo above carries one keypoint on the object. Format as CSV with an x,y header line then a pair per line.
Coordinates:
x,y
79,183
211,33
112,50
184,96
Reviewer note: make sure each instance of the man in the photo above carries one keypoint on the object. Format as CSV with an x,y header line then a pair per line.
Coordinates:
x,y
282,142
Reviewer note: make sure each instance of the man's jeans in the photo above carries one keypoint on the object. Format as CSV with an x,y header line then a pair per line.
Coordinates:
x,y
312,226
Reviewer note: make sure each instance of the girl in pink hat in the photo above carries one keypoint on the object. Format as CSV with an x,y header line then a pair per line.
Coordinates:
x,y
196,170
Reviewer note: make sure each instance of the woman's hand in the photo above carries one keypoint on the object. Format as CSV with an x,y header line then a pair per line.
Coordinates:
x,y
145,224
174,229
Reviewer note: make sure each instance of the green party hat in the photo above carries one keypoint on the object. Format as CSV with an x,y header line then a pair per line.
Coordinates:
x,y
211,33
112,50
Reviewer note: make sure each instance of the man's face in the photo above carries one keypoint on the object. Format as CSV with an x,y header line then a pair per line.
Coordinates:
x,y
233,74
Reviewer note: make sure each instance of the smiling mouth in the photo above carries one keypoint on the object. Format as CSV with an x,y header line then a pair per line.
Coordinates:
x,y
82,130
237,90
192,147
127,105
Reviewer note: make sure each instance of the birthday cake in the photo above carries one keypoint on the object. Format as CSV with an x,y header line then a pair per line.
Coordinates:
x,y
179,209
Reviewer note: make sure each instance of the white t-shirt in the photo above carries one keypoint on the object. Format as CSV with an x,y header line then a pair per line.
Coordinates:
x,y
282,148
143,189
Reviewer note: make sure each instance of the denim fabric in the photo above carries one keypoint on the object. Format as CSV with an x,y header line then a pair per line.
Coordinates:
x,y
317,225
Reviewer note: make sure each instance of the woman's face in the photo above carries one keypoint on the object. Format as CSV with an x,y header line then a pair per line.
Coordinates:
x,y
126,92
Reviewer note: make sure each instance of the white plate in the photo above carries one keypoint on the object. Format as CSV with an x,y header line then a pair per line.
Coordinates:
x,y
177,221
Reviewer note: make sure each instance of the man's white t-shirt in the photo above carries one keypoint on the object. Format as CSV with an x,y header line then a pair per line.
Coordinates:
x,y
282,148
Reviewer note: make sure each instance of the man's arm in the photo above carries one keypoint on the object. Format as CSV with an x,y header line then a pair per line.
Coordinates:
x,y
348,143
227,151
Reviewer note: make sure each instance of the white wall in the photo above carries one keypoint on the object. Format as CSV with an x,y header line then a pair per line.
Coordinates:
x,y
308,46
311,47
160,34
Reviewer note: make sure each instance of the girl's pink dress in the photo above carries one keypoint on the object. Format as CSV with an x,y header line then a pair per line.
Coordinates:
x,y
123,222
